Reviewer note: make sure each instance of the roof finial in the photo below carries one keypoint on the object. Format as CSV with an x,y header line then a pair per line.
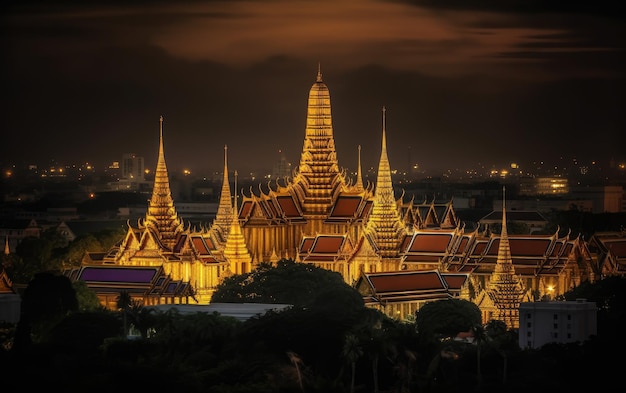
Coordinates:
x,y
236,210
359,174
319,71
384,128
504,231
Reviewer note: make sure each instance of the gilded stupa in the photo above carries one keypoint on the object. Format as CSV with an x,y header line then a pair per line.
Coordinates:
x,y
505,288
235,250
161,217
384,226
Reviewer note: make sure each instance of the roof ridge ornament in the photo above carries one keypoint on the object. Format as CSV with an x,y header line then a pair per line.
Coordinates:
x,y
319,72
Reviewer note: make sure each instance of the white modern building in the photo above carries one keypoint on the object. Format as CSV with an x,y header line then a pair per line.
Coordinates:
x,y
556,322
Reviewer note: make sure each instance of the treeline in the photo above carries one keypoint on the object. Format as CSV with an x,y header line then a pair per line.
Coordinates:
x,y
328,341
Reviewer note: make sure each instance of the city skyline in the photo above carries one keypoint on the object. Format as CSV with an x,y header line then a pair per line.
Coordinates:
x,y
497,84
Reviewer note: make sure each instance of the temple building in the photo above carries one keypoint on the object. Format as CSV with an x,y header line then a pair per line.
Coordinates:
x,y
398,253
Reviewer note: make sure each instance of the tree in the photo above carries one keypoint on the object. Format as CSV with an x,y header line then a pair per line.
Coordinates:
x,y
124,301
46,300
446,318
352,351
503,341
86,297
437,322
77,248
479,337
609,294
297,284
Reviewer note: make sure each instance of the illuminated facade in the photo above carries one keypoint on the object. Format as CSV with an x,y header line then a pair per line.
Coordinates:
x,y
322,217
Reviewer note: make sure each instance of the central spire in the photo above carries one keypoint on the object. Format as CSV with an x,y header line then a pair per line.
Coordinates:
x,y
161,216
318,179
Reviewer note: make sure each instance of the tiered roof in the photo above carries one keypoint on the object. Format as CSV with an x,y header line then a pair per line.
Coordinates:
x,y
318,180
161,216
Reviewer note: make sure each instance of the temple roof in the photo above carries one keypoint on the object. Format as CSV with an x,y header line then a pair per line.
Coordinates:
x,y
136,280
408,286
610,248
325,248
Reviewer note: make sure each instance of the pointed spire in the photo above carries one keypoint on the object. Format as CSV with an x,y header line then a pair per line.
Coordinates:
x,y
359,174
384,131
505,287
504,248
318,179
385,223
224,216
236,209
161,216
7,250
236,252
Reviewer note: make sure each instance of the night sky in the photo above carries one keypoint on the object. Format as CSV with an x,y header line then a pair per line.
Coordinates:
x,y
499,82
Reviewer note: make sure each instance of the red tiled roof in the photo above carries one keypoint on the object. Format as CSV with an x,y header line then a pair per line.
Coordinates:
x,y
406,281
522,246
616,247
328,244
306,244
346,206
246,209
455,281
430,242
288,206
200,245
463,244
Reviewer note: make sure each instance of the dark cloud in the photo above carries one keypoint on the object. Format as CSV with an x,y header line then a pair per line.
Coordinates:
x,y
461,85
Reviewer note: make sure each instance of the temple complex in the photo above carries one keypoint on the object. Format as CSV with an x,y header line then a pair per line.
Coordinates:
x,y
398,253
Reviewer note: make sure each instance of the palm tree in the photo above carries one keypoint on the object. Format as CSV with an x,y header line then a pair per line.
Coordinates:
x,y
479,337
502,340
352,351
141,317
376,346
124,301
295,359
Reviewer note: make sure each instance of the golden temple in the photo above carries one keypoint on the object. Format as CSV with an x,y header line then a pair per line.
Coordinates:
x,y
398,254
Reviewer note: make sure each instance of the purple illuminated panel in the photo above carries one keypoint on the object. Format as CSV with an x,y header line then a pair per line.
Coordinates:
x,y
131,275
